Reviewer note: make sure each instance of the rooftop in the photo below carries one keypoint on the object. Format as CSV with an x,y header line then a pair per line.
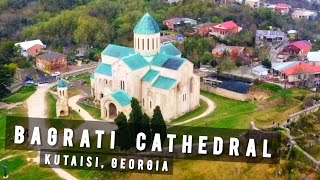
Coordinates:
x,y
52,55
227,25
104,69
121,97
28,44
301,44
170,49
147,25
314,56
235,86
301,68
167,61
270,33
150,75
135,62
207,24
62,83
118,51
164,83
178,20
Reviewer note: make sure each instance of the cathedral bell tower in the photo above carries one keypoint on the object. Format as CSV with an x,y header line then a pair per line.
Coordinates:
x,y
62,107
147,36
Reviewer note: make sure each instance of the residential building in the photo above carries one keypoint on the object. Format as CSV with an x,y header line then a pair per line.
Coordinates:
x,y
282,8
82,51
155,74
165,39
51,62
225,29
268,37
203,29
178,22
314,58
304,13
254,4
301,72
260,70
31,48
299,48
232,51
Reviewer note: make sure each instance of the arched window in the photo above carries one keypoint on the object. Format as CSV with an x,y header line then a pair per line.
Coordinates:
x,y
143,102
148,47
150,105
122,85
138,43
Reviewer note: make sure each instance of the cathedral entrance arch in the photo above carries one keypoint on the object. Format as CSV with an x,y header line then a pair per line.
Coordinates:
x,y
112,111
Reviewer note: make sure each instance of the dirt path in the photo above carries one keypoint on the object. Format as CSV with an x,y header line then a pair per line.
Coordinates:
x,y
37,108
211,108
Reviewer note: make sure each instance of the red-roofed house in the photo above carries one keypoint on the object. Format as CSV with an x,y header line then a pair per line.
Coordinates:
x,y
225,29
282,8
300,48
300,71
233,51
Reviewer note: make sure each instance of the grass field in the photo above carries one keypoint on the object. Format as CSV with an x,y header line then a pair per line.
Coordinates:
x,y
16,161
21,95
94,112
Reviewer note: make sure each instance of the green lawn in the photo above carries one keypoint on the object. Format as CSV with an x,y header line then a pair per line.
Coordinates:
x,y
231,113
93,111
21,95
203,107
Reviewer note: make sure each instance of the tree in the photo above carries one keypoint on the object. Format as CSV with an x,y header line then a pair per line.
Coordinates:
x,y
92,31
146,129
5,80
285,95
136,116
226,63
206,57
158,124
213,63
266,63
124,139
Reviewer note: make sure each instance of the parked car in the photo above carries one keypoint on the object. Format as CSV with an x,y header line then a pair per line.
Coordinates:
x,y
204,69
56,74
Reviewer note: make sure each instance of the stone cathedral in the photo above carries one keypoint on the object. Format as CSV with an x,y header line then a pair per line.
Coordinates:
x,y
155,74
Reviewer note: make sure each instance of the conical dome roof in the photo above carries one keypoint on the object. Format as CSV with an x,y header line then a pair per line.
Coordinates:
x,y
62,83
146,25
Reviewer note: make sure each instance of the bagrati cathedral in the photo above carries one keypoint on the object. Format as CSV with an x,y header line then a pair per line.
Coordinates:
x,y
154,74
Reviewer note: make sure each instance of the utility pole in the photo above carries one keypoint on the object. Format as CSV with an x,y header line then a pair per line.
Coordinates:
x,y
5,174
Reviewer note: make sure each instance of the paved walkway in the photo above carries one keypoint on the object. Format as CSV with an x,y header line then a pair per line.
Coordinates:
x,y
83,113
211,108
37,108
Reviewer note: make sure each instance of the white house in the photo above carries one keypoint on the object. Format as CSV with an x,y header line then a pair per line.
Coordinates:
x,y
31,48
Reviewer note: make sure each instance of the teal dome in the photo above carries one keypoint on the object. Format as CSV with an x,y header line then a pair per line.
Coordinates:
x,y
62,83
147,25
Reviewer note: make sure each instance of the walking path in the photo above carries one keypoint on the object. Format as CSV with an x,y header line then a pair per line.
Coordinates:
x,y
83,113
211,108
37,108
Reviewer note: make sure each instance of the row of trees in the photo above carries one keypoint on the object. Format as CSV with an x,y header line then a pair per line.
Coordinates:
x,y
139,122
